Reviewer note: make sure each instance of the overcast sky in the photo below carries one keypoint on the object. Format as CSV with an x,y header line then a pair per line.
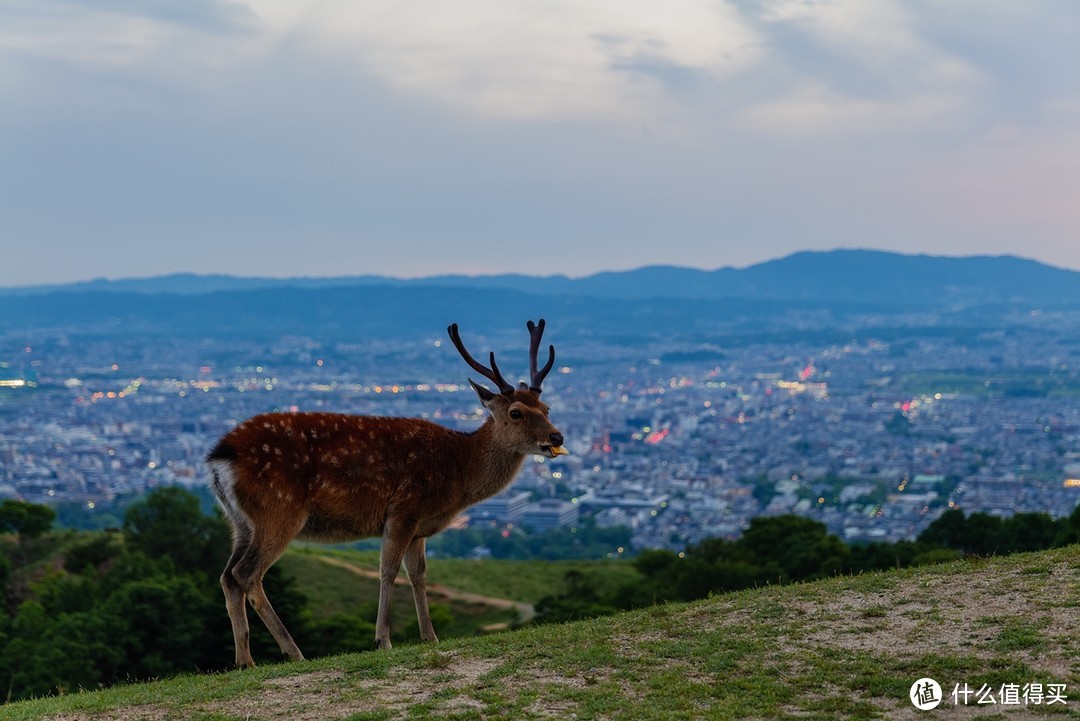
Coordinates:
x,y
280,137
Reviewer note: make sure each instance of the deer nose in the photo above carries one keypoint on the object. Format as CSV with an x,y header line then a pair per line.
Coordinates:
x,y
556,439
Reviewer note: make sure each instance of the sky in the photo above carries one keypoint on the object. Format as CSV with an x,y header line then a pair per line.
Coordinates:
x,y
420,137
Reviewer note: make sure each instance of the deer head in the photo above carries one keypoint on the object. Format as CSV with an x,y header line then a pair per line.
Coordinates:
x,y
520,417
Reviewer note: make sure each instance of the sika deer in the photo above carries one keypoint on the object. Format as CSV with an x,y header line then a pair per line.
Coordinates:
x,y
334,478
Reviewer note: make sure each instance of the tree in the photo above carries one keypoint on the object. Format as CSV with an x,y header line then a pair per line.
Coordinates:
x,y
948,530
1069,529
168,522
984,535
802,548
28,520
1029,532
91,554
579,600
163,625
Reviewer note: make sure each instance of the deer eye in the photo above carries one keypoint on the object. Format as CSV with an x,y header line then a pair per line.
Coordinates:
x,y
515,414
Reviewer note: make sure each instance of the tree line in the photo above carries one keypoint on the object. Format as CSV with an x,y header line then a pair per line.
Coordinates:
x,y
84,610
786,549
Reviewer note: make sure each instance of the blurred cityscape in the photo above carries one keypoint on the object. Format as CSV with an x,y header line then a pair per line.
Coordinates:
x,y
678,441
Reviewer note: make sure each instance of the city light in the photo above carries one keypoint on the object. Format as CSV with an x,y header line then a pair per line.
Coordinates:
x,y
719,450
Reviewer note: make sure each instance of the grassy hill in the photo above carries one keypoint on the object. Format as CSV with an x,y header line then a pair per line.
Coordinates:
x,y
846,647
481,595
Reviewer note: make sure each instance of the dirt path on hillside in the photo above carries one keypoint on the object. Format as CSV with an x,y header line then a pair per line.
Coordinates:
x,y
526,611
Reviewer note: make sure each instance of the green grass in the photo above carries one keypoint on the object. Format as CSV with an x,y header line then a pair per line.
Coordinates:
x,y
846,647
332,589
527,581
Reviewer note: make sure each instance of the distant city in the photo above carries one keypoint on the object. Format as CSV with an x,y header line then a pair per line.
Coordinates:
x,y
874,437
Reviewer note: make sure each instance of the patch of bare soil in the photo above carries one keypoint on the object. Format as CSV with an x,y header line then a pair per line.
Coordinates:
x,y
328,695
969,616
943,614
333,695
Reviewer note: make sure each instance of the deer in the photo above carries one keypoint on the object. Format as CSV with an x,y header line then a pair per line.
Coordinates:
x,y
335,478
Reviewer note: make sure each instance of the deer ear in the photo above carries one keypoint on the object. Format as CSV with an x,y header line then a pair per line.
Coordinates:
x,y
486,396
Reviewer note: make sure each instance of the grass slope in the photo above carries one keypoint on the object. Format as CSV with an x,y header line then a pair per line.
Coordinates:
x,y
481,595
334,588
526,581
842,648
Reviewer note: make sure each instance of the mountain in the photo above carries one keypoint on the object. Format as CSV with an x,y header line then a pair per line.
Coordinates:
x,y
657,299
816,276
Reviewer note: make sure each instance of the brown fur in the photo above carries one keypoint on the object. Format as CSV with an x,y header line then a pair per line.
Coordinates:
x,y
334,478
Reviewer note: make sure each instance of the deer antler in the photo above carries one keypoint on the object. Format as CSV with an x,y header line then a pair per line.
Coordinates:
x,y
492,374
536,332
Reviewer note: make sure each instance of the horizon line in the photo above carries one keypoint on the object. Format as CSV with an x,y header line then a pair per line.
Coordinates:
x,y
104,280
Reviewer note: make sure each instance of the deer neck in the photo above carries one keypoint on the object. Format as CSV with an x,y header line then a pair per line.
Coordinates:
x,y
494,467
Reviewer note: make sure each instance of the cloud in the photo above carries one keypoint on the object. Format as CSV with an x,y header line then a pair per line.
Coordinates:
x,y
541,60
815,109
851,66
206,15
42,39
548,60
786,67
607,132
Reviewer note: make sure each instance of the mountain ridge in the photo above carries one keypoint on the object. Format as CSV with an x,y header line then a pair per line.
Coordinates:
x,y
801,275
834,289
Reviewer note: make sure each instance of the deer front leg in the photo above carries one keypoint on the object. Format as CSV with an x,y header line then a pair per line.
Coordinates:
x,y
416,567
394,543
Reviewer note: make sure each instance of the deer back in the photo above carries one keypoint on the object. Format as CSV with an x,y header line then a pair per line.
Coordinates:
x,y
343,476
335,477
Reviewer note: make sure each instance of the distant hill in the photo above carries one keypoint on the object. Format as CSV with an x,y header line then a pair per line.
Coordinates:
x,y
821,276
652,299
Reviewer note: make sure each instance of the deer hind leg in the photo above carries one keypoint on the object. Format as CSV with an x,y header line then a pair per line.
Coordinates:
x,y
236,598
248,571
235,593
416,567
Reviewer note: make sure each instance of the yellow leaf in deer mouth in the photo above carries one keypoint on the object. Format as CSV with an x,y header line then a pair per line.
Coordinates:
x,y
558,451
